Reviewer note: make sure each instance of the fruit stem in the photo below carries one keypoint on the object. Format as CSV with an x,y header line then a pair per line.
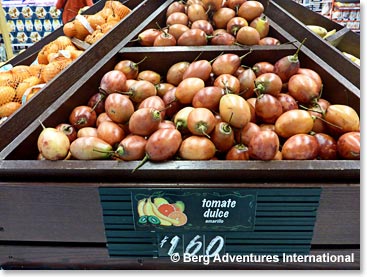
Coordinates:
x,y
120,151
134,40
143,161
99,101
312,110
109,153
211,61
156,114
162,30
295,56
209,9
81,121
202,128
241,146
166,107
327,122
129,93
320,107
43,126
101,90
259,89
198,56
230,118
227,90
226,128
179,124
139,62
237,7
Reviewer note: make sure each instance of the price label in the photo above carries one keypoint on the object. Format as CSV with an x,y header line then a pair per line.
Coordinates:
x,y
190,244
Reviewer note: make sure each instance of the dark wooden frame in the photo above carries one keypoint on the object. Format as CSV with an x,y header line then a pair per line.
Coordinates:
x,y
60,226
51,217
28,56
110,44
284,11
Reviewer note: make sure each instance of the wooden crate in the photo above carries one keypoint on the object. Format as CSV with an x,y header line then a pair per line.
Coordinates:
x,y
52,225
74,186
59,219
294,18
28,56
110,44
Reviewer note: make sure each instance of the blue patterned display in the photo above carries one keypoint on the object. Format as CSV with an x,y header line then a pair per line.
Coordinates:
x,y
30,23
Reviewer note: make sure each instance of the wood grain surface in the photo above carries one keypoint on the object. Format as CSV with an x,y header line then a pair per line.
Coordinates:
x,y
96,257
57,213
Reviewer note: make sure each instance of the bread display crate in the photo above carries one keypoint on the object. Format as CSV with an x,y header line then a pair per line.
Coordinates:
x,y
75,214
329,49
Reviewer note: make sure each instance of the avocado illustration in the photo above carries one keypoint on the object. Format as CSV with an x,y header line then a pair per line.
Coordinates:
x,y
180,205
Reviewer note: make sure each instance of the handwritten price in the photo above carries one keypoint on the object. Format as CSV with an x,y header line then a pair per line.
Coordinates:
x,y
214,246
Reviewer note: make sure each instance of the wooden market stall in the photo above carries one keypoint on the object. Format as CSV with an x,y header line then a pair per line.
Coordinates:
x,y
75,214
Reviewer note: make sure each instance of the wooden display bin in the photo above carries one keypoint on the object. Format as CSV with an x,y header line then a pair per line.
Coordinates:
x,y
110,44
82,214
294,17
75,214
28,56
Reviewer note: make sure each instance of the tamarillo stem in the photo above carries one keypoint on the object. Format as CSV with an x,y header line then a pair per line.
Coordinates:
x,y
99,101
213,60
248,53
143,161
295,56
327,122
110,153
43,126
139,62
312,110
203,129
101,90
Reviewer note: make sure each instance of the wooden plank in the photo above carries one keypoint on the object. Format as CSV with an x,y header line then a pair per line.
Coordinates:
x,y
28,56
338,217
50,214
78,71
348,42
106,172
316,44
26,209
267,235
116,246
93,257
307,16
287,192
267,241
